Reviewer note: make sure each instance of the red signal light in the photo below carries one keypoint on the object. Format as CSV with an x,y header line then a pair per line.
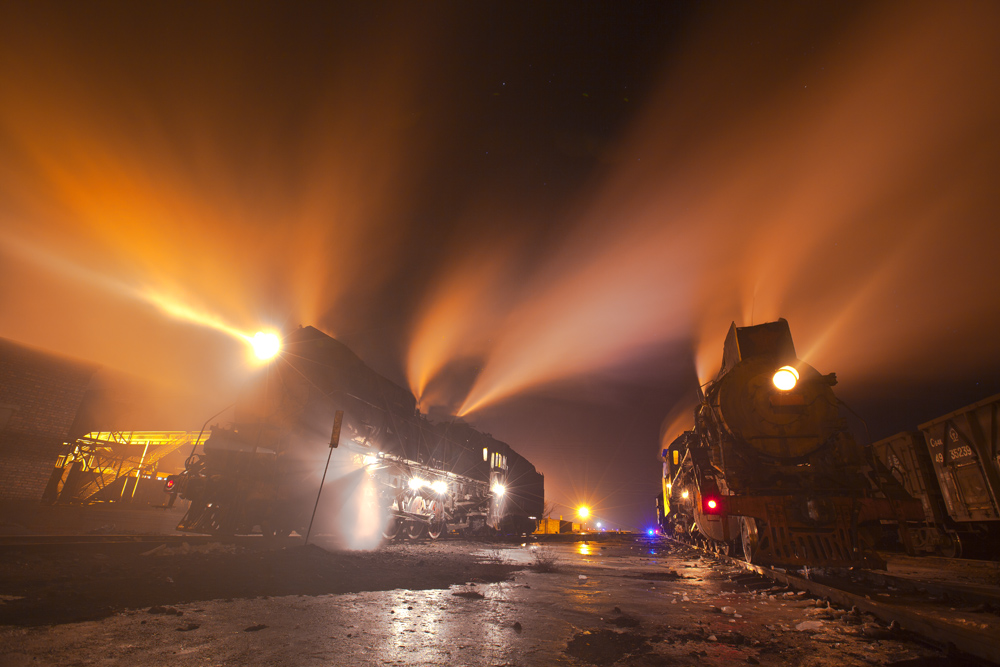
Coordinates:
x,y
711,505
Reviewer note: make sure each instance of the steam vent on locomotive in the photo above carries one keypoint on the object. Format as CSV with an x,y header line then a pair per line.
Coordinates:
x,y
424,478
771,468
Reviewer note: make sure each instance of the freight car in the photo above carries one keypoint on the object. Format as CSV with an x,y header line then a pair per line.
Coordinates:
x,y
423,478
771,467
952,464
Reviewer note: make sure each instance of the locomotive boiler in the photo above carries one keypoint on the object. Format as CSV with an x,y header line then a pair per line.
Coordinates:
x,y
420,478
770,466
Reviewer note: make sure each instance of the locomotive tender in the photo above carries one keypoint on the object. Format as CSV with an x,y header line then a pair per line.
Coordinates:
x,y
771,467
424,478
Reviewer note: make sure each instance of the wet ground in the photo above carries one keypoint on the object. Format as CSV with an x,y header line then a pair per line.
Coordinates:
x,y
624,601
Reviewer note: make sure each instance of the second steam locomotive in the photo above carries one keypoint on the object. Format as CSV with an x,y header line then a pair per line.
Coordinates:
x,y
420,478
770,466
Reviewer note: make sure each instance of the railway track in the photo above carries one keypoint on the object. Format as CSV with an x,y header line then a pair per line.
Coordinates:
x,y
958,616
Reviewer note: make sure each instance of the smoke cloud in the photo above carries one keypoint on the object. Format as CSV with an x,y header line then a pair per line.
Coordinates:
x,y
845,183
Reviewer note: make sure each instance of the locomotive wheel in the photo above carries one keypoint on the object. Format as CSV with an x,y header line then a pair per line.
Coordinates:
x,y
391,530
950,545
394,524
437,523
723,548
415,530
748,535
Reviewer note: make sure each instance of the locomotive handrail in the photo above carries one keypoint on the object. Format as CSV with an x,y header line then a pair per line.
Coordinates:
x,y
194,448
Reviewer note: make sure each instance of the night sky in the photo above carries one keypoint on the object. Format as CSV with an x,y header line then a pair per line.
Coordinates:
x,y
540,216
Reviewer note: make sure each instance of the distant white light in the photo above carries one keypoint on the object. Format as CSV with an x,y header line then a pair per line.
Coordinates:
x,y
439,486
685,494
415,483
499,489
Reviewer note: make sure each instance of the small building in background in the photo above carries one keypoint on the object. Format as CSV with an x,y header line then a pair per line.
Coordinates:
x,y
557,527
547,527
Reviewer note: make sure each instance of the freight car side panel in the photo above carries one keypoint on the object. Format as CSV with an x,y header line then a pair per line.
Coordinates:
x,y
964,450
905,456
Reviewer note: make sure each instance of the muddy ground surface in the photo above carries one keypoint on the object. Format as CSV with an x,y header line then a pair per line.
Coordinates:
x,y
626,602
52,585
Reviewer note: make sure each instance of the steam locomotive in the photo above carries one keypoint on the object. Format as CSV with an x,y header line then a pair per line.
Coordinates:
x,y
771,468
420,478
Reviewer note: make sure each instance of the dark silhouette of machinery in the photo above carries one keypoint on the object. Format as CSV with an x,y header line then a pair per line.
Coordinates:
x,y
424,478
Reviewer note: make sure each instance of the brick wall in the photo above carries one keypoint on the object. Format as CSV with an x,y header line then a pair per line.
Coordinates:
x,y
40,394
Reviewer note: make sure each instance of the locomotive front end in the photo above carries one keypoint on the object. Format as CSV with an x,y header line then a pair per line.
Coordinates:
x,y
771,467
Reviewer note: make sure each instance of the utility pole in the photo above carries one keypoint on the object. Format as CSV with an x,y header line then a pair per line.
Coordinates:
x,y
338,419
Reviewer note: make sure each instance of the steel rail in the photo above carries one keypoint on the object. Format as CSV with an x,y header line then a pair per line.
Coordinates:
x,y
949,591
981,644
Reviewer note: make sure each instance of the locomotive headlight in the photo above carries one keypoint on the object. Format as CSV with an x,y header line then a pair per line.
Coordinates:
x,y
785,378
685,494
439,487
416,483
499,488
370,459
265,345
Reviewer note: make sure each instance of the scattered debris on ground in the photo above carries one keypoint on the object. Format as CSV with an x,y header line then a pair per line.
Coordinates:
x,y
604,647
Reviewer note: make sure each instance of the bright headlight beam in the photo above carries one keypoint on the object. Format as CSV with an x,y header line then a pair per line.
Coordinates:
x,y
499,488
265,345
785,378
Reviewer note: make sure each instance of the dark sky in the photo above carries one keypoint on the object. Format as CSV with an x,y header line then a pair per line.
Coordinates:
x,y
541,215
